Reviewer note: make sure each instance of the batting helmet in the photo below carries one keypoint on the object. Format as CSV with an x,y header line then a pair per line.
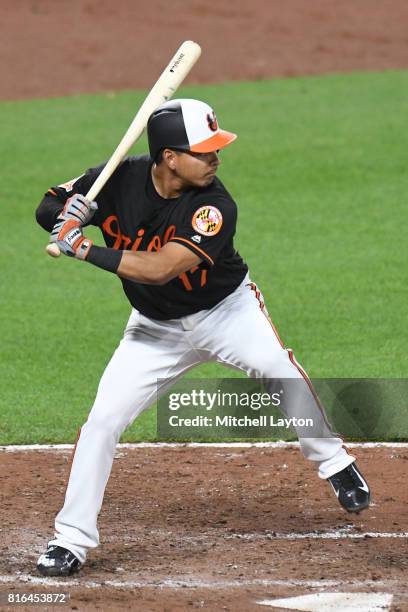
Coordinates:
x,y
185,125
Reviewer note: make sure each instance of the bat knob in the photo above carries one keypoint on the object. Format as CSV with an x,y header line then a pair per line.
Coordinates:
x,y
53,250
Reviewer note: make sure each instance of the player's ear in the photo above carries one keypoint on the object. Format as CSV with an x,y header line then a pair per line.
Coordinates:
x,y
170,157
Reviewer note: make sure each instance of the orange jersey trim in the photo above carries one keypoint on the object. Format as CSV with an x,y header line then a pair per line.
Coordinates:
x,y
52,191
196,248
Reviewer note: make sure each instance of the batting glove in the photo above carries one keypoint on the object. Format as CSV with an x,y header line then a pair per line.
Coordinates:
x,y
78,208
67,235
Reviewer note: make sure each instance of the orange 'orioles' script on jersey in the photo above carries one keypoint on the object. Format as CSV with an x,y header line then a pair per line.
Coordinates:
x,y
111,227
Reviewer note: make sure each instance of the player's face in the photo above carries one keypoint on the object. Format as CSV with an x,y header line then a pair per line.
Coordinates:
x,y
196,169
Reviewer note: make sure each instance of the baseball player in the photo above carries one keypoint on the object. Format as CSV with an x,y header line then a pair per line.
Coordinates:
x,y
168,224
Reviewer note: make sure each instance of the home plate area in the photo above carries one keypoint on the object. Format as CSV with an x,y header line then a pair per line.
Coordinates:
x,y
217,527
324,602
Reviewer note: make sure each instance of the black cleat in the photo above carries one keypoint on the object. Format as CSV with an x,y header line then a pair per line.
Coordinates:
x,y
58,561
351,489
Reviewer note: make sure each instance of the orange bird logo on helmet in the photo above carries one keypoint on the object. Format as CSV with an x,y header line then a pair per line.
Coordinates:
x,y
212,122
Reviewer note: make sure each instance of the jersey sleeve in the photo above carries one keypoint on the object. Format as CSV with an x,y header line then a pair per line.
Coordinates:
x,y
80,184
207,227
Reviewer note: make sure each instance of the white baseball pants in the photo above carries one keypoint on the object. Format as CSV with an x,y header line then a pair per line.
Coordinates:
x,y
238,333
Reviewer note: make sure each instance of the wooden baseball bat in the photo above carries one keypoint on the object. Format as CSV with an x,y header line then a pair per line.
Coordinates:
x,y
164,88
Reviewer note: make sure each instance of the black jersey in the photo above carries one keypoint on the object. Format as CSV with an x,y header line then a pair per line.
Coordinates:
x,y
133,216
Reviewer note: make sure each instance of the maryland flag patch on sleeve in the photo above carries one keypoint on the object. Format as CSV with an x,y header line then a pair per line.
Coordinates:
x,y
207,220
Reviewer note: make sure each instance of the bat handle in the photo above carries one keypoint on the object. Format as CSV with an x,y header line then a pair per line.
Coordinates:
x,y
53,250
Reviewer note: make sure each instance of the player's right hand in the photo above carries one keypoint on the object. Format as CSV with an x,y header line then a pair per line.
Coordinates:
x,y
78,208
67,235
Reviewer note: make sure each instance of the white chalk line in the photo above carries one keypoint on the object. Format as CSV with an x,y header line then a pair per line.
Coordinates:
x,y
347,532
325,535
191,582
135,445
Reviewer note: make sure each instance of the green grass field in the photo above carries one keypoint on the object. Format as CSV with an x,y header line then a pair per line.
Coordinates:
x,y
319,175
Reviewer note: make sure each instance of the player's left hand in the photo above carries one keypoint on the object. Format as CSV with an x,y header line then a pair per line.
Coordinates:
x,y
78,208
67,235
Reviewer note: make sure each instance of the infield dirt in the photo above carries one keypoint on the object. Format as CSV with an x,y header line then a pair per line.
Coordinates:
x,y
184,528
53,48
